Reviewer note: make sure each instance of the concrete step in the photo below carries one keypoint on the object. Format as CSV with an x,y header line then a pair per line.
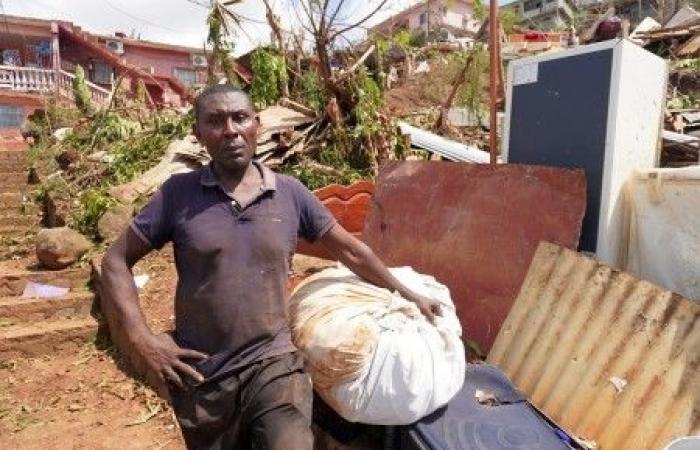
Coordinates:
x,y
13,283
20,208
14,234
17,310
46,337
12,154
9,200
19,220
16,182
14,166
15,174
21,172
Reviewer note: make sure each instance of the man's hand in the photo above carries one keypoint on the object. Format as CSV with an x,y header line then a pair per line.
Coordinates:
x,y
428,306
164,360
363,262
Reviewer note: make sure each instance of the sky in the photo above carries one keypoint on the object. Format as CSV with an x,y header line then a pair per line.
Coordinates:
x,y
179,22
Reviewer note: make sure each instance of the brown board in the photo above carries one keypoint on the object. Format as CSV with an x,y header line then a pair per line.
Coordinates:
x,y
474,228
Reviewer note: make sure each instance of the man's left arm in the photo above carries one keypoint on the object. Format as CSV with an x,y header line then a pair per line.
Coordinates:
x,y
360,258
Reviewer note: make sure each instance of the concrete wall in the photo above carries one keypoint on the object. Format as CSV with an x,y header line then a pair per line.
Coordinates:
x,y
163,62
456,12
29,102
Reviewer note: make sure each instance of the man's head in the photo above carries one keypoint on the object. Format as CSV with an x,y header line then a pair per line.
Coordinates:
x,y
226,124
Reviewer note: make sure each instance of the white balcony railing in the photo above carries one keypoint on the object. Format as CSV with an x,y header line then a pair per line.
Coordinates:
x,y
30,79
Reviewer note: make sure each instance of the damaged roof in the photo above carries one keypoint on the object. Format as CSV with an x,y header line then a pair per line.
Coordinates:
x,y
607,356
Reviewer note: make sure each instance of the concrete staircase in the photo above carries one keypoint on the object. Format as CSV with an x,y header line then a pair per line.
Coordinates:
x,y
32,327
18,218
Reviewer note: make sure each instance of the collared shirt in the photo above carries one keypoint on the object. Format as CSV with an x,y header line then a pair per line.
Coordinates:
x,y
232,262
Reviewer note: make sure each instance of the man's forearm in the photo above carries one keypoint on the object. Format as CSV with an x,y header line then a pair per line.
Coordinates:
x,y
122,297
365,263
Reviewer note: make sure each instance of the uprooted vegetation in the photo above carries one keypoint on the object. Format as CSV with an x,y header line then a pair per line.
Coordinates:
x,y
96,152
82,154
351,107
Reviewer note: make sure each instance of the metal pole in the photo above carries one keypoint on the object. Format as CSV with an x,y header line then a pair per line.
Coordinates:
x,y
493,79
56,58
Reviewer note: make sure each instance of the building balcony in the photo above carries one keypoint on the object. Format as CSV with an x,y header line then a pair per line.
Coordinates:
x,y
32,80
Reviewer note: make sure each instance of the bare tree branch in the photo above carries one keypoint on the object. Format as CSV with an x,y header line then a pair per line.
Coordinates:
x,y
301,21
357,63
335,13
359,22
309,15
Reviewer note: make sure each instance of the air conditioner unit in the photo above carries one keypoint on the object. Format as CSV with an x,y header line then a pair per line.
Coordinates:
x,y
115,46
199,60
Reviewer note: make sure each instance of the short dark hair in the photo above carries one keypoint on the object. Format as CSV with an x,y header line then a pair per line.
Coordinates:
x,y
214,89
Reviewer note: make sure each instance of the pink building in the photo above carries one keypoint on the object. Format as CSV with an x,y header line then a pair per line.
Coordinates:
x,y
456,17
38,58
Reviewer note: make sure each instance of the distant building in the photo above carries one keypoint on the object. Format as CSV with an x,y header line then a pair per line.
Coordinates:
x,y
39,58
545,14
453,17
559,14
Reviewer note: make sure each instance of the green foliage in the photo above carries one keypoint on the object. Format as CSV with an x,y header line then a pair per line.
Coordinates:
x,y
418,39
692,63
135,148
133,155
509,18
81,93
269,73
382,45
339,163
479,10
471,94
40,151
93,204
683,101
143,150
402,39
42,122
314,178
221,44
369,102
313,93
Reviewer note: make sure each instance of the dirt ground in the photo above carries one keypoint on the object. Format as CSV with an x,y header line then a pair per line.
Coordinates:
x,y
84,400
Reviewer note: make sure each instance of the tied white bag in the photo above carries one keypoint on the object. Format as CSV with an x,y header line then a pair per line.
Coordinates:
x,y
371,354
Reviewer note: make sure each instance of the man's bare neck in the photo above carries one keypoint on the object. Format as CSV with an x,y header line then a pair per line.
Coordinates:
x,y
233,181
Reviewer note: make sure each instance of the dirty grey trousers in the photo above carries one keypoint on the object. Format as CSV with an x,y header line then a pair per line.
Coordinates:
x,y
267,405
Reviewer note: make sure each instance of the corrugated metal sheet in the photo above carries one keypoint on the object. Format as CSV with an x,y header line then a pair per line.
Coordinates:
x,y
444,147
577,325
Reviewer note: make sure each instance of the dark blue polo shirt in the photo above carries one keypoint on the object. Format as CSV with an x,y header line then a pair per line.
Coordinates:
x,y
232,262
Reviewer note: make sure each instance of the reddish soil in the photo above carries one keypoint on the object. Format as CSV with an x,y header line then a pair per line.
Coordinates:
x,y
84,399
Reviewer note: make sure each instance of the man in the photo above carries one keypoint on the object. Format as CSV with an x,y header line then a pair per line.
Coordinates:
x,y
233,374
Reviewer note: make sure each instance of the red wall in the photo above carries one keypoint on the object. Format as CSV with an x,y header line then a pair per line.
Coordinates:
x,y
30,102
163,62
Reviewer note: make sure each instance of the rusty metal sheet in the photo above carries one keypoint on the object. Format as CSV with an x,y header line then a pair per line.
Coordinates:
x,y
474,227
579,328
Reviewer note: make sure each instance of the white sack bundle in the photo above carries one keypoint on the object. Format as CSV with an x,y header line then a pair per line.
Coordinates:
x,y
371,354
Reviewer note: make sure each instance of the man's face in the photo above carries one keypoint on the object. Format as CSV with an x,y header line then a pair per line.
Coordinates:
x,y
227,126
